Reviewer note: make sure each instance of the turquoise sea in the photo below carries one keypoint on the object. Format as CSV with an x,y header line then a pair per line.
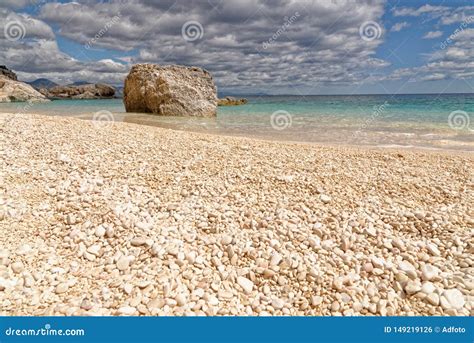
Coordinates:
x,y
429,121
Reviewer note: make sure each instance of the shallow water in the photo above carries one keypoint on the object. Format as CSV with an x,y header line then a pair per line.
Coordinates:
x,y
429,121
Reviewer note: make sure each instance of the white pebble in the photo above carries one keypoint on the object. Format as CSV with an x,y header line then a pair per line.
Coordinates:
x,y
123,263
245,283
17,267
277,303
452,299
127,310
429,272
433,249
325,198
61,288
100,231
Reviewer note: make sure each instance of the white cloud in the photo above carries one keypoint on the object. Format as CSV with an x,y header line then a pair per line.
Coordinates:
x,y
445,15
455,61
433,34
399,26
413,12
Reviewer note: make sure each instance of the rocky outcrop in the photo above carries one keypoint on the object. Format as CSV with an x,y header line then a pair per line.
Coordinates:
x,y
9,74
12,91
231,101
87,91
170,91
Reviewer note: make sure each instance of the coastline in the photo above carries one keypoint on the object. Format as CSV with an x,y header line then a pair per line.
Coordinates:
x,y
183,223
329,122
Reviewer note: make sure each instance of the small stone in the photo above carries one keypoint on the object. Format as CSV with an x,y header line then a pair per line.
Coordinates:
x,y
155,303
110,232
433,299
278,303
70,219
412,287
452,299
94,250
335,306
358,306
86,304
429,272
268,273
100,231
316,300
398,243
180,299
213,301
128,288
61,288
433,249
371,231
127,310
368,267
428,287
377,271
325,198
245,283
408,268
401,277
138,241
275,260
419,215
226,240
377,262
17,267
28,281
199,292
123,263
226,295
345,244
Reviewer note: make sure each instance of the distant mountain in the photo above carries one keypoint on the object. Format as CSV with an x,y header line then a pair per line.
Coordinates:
x,y
42,83
79,83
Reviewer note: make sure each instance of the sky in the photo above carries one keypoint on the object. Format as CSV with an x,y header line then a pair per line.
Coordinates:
x,y
249,46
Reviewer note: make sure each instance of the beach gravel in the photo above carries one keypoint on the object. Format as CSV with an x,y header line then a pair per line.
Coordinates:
x,y
139,220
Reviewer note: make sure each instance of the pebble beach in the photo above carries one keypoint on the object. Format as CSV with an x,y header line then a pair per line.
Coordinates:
x,y
125,219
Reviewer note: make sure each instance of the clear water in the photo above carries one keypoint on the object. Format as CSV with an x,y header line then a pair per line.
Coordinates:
x,y
381,120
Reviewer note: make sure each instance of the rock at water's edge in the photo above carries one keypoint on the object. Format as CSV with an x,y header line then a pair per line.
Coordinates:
x,y
231,101
86,91
170,91
13,91
9,74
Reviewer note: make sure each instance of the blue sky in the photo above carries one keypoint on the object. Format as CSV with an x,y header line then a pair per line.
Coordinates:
x,y
276,47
